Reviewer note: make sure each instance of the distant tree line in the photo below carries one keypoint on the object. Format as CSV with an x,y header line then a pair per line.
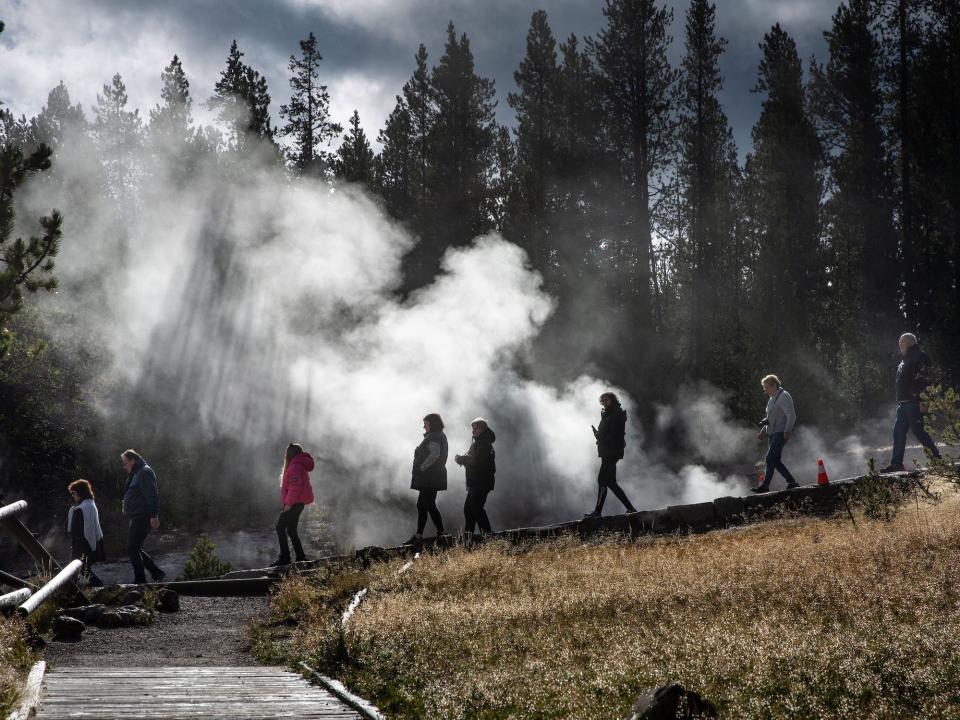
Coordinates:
x,y
672,261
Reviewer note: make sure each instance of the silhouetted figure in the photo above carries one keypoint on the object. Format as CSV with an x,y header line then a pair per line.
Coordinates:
x,y
296,492
141,504
481,468
778,425
83,527
429,475
611,442
913,376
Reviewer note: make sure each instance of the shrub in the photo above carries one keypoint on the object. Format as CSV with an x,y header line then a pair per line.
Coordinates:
x,y
202,563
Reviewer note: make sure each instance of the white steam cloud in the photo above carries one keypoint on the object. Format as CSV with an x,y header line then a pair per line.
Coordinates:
x,y
264,310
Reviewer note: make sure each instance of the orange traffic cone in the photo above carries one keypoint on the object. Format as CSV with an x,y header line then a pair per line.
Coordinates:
x,y
822,478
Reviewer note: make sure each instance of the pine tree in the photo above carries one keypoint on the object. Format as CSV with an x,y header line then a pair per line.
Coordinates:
x,y
847,98
461,150
418,100
395,164
636,83
59,121
784,191
118,133
308,112
708,177
172,120
354,161
537,113
242,102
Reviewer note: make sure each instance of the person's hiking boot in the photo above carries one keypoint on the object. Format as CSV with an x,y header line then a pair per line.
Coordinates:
x,y
158,576
893,467
280,562
791,486
592,515
414,540
759,489
302,559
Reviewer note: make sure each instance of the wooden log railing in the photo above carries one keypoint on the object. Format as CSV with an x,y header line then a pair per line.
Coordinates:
x,y
13,599
12,509
62,579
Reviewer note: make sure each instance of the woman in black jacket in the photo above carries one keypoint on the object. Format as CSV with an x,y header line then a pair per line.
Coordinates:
x,y
611,441
481,467
83,526
429,475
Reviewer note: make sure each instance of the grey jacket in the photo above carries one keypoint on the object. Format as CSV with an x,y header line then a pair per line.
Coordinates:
x,y
781,415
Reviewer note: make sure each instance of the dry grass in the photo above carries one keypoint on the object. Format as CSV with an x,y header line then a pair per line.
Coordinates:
x,y
16,657
790,619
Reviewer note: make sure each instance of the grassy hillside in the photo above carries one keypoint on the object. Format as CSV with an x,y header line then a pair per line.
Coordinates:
x,y
794,618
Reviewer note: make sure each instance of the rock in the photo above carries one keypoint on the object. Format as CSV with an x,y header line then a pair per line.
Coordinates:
x,y
729,510
131,597
89,614
132,615
697,516
67,628
671,702
110,619
167,600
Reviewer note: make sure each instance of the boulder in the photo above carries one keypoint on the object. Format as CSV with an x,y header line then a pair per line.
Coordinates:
x,y
671,702
133,596
110,619
89,614
168,601
67,628
131,615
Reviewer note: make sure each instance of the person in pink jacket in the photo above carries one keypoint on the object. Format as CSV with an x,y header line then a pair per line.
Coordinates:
x,y
295,493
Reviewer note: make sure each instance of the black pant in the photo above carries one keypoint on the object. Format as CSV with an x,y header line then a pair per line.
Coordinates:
x,y
607,479
427,504
473,512
136,534
287,525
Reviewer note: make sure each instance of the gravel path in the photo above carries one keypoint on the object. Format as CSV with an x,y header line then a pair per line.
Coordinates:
x,y
206,631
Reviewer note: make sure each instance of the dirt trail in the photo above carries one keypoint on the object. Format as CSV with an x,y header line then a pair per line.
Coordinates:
x,y
207,631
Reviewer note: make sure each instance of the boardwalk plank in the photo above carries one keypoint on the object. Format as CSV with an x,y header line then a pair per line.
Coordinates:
x,y
194,693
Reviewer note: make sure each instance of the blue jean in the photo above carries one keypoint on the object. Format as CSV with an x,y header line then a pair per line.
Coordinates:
x,y
909,418
774,453
136,534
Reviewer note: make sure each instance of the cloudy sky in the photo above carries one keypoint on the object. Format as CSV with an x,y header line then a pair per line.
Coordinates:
x,y
368,45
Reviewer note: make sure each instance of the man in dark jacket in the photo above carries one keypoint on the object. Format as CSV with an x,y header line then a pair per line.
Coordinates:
x,y
481,467
913,376
141,504
611,442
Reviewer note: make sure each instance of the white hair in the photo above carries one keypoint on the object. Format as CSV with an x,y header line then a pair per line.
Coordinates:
x,y
910,338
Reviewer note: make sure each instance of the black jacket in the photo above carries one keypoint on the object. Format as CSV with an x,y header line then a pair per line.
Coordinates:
x,y
480,461
612,431
434,476
140,495
913,374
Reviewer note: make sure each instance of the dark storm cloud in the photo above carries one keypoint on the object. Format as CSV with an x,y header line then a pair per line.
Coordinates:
x,y
368,45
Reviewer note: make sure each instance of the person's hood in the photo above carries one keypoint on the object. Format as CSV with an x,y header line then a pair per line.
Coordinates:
x,y
305,460
487,436
435,435
614,410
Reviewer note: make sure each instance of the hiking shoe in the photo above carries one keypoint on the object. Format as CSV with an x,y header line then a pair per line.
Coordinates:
x,y
791,486
892,468
158,576
760,489
592,515
279,562
415,540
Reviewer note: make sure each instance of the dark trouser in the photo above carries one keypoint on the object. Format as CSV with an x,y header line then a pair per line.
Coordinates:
x,y
136,534
607,479
774,453
287,525
473,512
427,505
909,418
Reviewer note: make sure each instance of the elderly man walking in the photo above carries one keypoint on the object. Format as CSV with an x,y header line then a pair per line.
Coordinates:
x,y
778,424
913,376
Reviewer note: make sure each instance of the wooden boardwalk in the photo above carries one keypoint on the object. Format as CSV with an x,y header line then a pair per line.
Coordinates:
x,y
244,693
